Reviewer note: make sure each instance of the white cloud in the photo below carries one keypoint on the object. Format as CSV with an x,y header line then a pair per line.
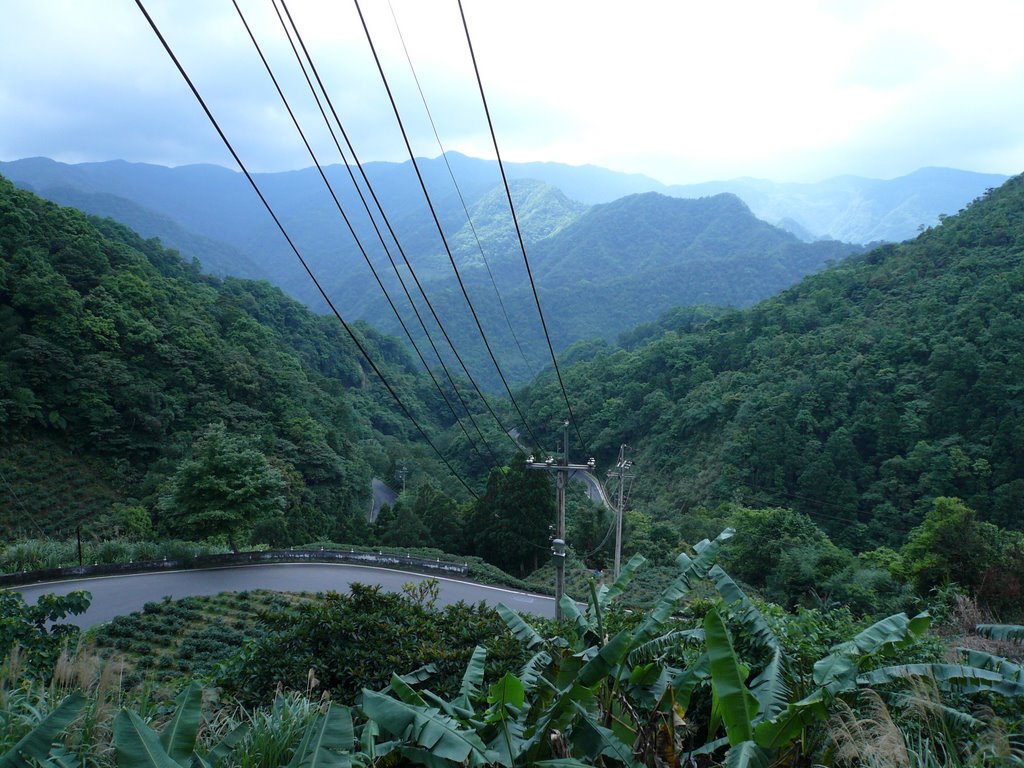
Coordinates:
x,y
681,91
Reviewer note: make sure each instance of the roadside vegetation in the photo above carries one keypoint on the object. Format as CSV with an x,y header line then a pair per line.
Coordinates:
x,y
712,679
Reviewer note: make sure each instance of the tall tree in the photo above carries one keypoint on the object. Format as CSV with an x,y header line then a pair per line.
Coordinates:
x,y
223,489
509,524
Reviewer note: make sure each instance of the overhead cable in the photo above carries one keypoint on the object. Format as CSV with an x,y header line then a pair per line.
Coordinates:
x,y
393,235
440,230
305,265
351,229
519,233
458,190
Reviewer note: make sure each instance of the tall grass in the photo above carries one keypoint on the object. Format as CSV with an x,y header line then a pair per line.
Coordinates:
x,y
40,554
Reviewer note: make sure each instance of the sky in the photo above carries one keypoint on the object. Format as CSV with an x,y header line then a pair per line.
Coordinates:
x,y
682,91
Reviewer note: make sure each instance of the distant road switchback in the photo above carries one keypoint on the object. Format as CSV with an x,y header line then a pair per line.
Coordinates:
x,y
117,595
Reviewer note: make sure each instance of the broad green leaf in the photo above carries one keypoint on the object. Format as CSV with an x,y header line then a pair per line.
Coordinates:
x,y
789,724
522,631
595,740
890,630
323,739
770,687
36,744
533,670
137,745
836,672
1009,670
747,755
606,596
738,705
425,727
473,677
225,745
956,677
405,692
691,570
669,641
178,737
506,697
746,613
572,613
608,657
1002,631
686,680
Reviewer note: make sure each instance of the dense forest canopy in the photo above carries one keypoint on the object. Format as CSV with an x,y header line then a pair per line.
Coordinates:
x,y
127,373
858,396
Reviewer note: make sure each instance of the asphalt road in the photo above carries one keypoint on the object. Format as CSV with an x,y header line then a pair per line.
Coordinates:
x,y
116,595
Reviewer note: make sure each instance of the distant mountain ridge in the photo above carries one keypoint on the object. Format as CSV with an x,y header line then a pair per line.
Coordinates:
x,y
606,268
858,396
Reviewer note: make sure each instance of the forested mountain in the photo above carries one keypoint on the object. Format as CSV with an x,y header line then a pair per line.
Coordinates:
x,y
620,264
602,269
129,379
857,396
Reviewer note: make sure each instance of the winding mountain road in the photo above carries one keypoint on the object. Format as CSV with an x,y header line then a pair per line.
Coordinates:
x,y
117,595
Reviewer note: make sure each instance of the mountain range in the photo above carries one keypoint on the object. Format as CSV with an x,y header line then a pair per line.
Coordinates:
x,y
859,396
607,250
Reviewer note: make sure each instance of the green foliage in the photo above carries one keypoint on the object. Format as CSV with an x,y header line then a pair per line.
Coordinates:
x,y
395,634
37,746
226,487
37,630
116,357
509,524
856,398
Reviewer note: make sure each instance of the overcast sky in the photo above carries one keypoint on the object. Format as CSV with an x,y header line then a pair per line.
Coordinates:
x,y
684,91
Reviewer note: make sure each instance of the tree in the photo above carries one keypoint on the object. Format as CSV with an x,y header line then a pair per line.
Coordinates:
x,y
949,545
509,523
223,489
38,630
441,516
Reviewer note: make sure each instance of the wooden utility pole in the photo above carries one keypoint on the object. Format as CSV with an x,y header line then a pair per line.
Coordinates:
x,y
622,466
563,470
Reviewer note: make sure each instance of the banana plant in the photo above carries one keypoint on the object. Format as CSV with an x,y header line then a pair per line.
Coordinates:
x,y
581,699
38,747
139,746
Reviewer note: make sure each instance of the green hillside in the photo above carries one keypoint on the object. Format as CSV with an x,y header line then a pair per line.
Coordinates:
x,y
601,272
125,373
857,397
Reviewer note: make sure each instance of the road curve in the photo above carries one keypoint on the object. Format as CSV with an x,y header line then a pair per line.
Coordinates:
x,y
117,595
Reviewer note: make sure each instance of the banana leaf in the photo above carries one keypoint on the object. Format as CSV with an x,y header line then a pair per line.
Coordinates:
x,y
137,745
35,745
178,736
738,705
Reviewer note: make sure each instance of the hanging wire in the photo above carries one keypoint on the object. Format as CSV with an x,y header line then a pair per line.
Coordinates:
x,y
396,240
305,265
458,190
519,233
440,230
351,229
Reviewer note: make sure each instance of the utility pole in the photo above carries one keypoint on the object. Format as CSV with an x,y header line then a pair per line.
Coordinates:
x,y
402,475
622,466
562,469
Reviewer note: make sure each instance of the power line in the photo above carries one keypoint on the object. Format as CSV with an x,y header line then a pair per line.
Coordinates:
x,y
394,237
519,233
348,223
437,223
458,190
295,250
